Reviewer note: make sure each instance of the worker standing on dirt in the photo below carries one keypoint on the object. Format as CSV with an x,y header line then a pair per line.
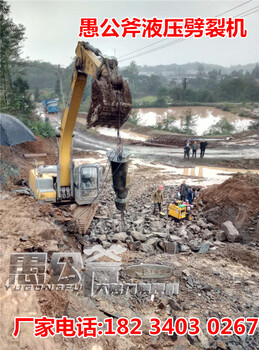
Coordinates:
x,y
158,198
191,195
183,191
187,150
203,146
194,149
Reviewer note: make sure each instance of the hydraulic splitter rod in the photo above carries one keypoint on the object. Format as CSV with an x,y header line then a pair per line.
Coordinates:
x,y
119,159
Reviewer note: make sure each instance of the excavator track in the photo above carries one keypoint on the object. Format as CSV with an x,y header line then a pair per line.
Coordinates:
x,y
84,215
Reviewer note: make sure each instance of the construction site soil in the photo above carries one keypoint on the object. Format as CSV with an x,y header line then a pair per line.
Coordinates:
x,y
237,200
217,277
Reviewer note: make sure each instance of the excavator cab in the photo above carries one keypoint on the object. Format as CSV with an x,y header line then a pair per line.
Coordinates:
x,y
86,183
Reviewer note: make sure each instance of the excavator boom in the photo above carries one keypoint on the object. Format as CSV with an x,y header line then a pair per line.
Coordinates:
x,y
110,104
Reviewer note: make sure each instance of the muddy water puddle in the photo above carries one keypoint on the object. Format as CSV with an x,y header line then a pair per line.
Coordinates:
x,y
207,176
200,175
203,117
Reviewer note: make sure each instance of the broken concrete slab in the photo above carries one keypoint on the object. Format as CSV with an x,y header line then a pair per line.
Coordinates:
x,y
201,223
195,228
204,248
194,245
174,304
121,236
139,222
221,236
174,238
51,246
134,245
230,231
152,241
24,238
207,234
138,236
156,225
106,244
184,248
147,248
169,247
182,231
160,234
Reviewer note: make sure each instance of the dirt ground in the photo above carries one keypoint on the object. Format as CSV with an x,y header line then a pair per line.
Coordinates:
x,y
237,199
222,282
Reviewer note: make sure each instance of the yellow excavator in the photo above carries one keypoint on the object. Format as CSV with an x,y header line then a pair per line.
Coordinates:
x,y
76,180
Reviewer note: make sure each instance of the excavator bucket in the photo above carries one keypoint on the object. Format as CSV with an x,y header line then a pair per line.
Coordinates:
x,y
111,98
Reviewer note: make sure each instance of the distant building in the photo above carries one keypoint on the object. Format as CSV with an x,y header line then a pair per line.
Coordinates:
x,y
148,74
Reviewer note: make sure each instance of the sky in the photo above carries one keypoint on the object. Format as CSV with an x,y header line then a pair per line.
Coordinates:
x,y
52,31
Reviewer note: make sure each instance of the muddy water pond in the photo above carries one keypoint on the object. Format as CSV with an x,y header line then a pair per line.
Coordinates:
x,y
203,117
206,176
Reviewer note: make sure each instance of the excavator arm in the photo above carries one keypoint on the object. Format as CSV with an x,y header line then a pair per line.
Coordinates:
x,y
110,105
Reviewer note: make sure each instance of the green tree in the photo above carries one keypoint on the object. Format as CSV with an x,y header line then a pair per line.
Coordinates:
x,y
21,101
201,72
131,72
222,127
11,38
200,76
57,89
133,118
154,84
255,72
37,94
169,121
189,123
184,82
161,97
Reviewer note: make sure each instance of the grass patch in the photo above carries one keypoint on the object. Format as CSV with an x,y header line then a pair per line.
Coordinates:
x,y
39,127
145,99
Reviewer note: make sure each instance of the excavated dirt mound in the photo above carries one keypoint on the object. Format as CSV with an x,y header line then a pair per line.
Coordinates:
x,y
15,165
16,161
236,199
174,140
240,163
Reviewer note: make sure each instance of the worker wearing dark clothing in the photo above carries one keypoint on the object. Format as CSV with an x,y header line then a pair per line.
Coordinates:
x,y
194,149
203,146
187,151
183,191
191,195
